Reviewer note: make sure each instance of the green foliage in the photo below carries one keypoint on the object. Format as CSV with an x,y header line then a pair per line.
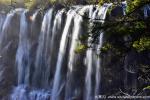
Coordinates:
x,y
142,44
52,1
132,24
101,2
5,1
123,28
29,3
147,87
135,4
132,4
80,48
106,47
69,2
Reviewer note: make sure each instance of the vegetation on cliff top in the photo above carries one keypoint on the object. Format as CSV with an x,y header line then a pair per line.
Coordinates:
x,y
134,23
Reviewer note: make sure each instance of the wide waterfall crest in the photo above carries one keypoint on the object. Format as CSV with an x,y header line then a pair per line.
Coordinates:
x,y
46,66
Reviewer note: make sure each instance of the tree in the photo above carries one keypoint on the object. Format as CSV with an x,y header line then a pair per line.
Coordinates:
x,y
133,23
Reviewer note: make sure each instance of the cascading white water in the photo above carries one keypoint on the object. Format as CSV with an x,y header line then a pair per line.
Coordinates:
x,y
146,10
6,25
78,20
61,55
41,63
22,92
92,61
102,12
48,68
98,66
89,63
2,18
22,55
38,58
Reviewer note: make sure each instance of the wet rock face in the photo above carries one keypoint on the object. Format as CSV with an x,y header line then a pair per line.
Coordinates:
x,y
131,69
117,11
7,70
112,73
124,71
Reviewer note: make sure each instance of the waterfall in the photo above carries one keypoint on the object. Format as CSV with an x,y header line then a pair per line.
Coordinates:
x,y
5,25
61,55
41,61
94,62
45,64
22,55
98,62
146,9
71,88
2,18
89,61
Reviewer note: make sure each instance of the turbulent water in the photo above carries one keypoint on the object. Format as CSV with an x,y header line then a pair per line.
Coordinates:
x,y
38,58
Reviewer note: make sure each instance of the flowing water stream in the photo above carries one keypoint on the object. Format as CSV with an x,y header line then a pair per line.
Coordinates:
x,y
44,62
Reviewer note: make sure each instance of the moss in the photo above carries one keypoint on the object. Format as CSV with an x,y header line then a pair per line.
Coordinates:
x,y
147,87
133,4
107,46
142,44
80,48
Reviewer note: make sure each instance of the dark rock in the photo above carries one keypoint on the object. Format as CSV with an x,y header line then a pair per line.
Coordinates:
x,y
117,11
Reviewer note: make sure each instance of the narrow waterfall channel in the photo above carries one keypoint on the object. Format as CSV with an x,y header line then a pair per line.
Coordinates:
x,y
44,63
